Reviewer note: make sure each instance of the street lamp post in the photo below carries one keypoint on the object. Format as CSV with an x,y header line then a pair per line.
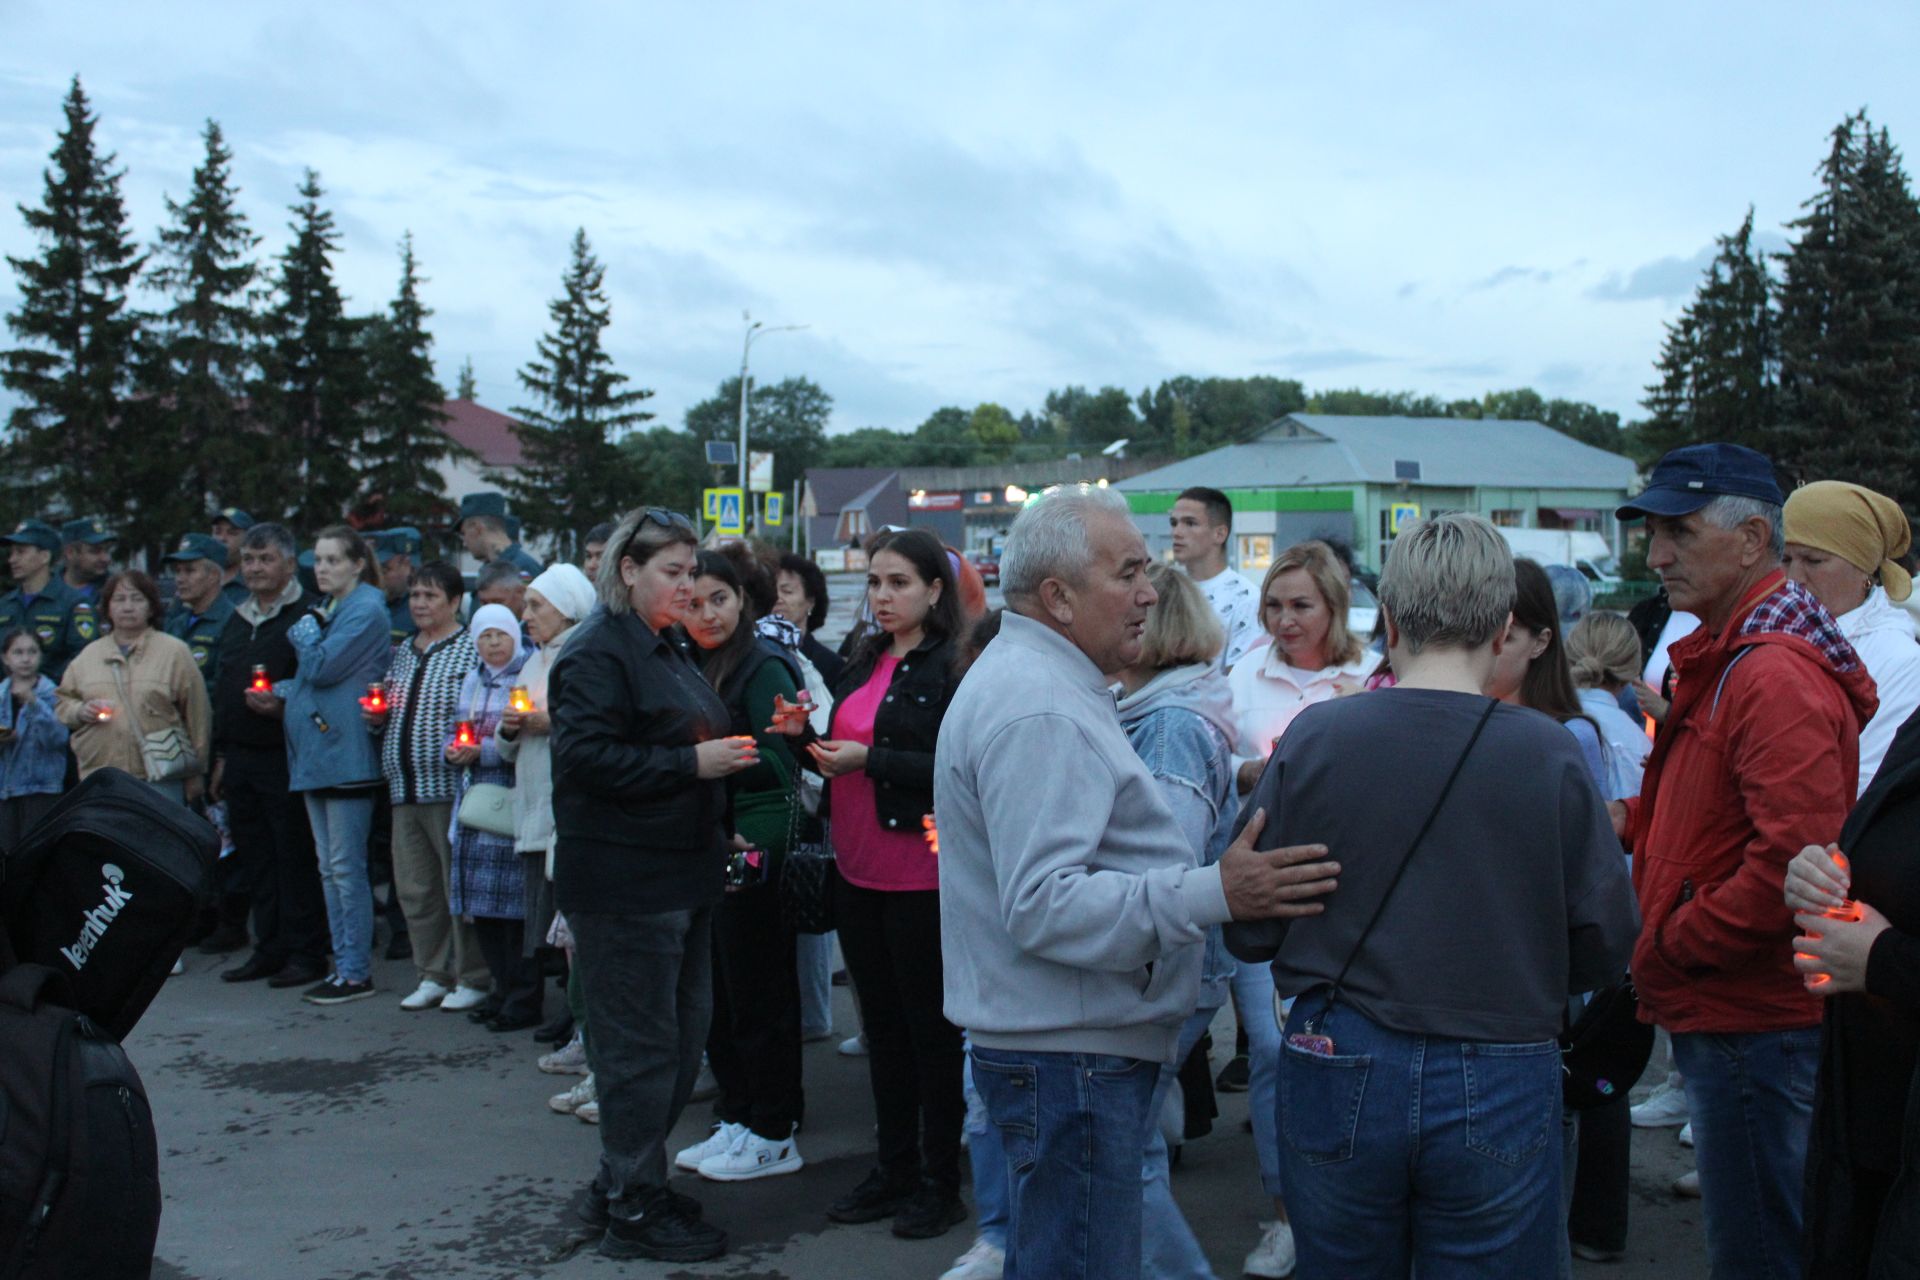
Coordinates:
x,y
755,329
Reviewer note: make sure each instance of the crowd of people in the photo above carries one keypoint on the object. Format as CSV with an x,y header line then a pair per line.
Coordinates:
x,y
1061,839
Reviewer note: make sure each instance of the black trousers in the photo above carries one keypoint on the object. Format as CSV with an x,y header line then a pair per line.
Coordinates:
x,y
516,978
273,853
914,1055
754,1045
1601,1196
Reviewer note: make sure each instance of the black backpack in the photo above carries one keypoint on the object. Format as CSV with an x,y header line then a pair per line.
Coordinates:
x,y
79,1164
105,889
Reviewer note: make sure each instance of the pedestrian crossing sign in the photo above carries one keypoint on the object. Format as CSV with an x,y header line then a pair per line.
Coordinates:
x,y
1402,515
710,503
729,513
776,509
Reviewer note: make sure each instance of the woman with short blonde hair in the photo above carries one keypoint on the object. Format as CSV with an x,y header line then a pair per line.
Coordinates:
x,y
1182,628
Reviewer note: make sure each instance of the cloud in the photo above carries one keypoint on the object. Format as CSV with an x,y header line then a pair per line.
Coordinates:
x,y
1322,359
1668,279
1510,275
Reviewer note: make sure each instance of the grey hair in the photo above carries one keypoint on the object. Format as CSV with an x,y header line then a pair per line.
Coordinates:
x,y
1730,511
267,534
1448,581
1049,538
495,572
639,539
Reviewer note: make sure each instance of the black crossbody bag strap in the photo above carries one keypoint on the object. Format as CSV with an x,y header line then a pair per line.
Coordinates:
x,y
1380,909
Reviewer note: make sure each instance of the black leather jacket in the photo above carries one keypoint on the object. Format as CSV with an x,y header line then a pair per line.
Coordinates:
x,y
637,829
905,729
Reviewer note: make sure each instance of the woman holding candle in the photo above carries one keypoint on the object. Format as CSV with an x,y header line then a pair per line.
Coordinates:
x,y
33,742
641,754
1860,914
878,759
341,644
136,682
489,882
421,687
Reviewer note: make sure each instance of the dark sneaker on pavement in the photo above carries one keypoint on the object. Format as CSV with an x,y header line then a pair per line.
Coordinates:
x,y
589,1206
661,1232
878,1196
336,990
1234,1076
932,1212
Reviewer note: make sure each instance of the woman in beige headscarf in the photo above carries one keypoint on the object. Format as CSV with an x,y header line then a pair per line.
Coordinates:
x,y
1843,544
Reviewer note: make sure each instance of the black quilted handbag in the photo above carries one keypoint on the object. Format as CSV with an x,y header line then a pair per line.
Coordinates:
x,y
807,872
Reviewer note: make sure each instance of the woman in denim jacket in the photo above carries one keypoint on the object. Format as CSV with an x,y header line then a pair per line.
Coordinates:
x,y
1178,715
33,743
343,646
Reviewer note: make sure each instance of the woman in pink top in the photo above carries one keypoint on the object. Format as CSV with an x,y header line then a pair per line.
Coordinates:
x,y
878,759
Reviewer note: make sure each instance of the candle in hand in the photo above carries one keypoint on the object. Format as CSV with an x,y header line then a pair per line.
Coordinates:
x,y
376,699
463,735
519,699
260,683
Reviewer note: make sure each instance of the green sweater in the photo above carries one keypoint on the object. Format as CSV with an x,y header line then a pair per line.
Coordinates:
x,y
763,795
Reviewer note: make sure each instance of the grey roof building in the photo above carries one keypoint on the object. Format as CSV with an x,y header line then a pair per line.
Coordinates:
x,y
1313,475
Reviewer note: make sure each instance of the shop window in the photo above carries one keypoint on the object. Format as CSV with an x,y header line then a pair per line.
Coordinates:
x,y
1256,551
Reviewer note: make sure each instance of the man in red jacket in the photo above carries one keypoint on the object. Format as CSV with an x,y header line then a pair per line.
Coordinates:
x,y
1758,759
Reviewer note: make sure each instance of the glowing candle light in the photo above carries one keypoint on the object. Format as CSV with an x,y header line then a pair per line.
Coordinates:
x,y
260,682
519,699
463,735
376,699
932,834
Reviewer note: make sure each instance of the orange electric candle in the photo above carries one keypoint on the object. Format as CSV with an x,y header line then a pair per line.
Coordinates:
x,y
463,734
519,699
260,682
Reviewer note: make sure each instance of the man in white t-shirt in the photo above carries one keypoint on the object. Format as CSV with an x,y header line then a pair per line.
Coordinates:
x,y
1202,521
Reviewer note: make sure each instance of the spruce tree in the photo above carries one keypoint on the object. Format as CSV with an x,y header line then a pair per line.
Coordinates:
x,y
202,358
403,441
466,389
68,439
1850,323
1719,364
314,372
574,473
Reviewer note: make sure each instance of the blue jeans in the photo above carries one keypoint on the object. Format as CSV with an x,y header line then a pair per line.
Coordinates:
x,y
1253,998
815,959
1168,1248
1752,1101
990,1209
1072,1127
1408,1154
340,829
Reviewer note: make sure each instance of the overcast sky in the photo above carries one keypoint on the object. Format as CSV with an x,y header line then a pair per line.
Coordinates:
x,y
983,201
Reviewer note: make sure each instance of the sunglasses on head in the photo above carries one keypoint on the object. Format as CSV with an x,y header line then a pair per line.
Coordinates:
x,y
666,519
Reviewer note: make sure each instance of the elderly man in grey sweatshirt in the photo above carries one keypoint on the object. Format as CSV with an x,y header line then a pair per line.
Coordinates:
x,y
1072,907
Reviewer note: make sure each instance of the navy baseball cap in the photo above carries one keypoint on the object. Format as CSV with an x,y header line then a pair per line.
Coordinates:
x,y
199,546
36,533
91,529
234,516
403,541
1688,478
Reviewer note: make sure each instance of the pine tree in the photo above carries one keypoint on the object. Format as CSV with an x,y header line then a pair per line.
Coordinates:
x,y
1850,323
404,442
67,440
574,472
202,359
314,372
466,389
1719,364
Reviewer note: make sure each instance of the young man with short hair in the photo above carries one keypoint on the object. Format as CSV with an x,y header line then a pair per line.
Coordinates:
x,y
1202,521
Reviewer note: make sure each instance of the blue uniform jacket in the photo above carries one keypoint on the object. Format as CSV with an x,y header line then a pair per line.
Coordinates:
x,y
327,743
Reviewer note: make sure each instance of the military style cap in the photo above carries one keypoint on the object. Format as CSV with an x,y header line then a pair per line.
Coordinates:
x,y
199,546
35,533
234,516
403,541
484,504
92,530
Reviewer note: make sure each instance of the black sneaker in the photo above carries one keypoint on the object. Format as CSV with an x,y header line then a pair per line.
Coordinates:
x,y
590,1209
663,1233
879,1195
1234,1076
336,990
932,1212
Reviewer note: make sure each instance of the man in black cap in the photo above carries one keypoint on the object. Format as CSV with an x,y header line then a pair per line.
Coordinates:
x,y
230,526
200,608
89,551
40,601
398,551
489,533
1757,759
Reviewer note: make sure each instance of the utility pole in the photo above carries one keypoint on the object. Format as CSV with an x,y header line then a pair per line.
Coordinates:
x,y
754,330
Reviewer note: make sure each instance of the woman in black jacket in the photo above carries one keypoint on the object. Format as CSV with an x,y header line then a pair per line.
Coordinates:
x,y
1863,1160
641,753
878,758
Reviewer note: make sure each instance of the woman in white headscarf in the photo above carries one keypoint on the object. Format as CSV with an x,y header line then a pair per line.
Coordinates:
x,y
556,600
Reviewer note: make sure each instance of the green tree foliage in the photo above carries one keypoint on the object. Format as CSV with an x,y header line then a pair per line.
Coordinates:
x,y
1378,404
68,438
202,357
1187,415
403,441
575,472
1719,363
466,390
993,430
1849,323
314,379
1576,418
1084,420
787,418
671,467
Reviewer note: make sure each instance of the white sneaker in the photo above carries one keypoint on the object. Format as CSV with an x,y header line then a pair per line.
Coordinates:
x,y
982,1262
1687,1185
752,1156
463,999
1666,1105
179,967
705,1087
1686,1134
588,1111
853,1048
568,1060
713,1144
1273,1257
428,994
570,1102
